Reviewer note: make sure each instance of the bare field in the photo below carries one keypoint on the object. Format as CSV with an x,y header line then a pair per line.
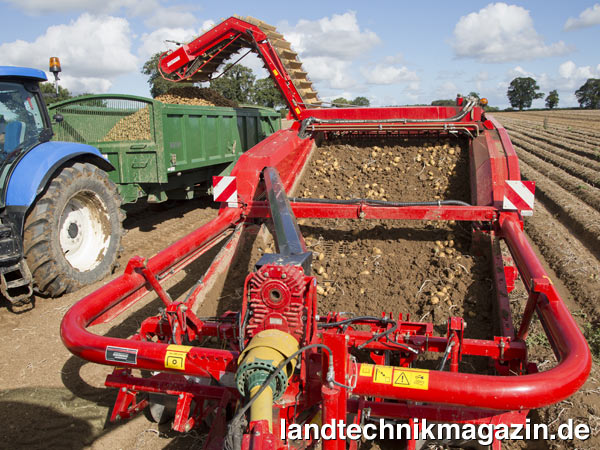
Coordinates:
x,y
50,399
560,151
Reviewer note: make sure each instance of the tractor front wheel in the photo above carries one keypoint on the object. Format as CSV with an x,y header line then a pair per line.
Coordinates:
x,y
73,232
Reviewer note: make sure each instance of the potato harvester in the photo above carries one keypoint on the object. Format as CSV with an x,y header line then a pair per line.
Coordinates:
x,y
281,356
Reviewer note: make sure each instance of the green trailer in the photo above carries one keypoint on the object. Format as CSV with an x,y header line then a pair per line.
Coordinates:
x,y
159,150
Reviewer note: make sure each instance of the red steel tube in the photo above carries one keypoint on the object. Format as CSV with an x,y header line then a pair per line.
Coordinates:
x,y
149,355
509,392
339,211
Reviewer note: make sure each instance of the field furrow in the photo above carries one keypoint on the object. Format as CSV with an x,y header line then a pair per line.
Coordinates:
x,y
584,192
556,133
570,258
564,128
571,147
589,176
589,121
558,148
583,220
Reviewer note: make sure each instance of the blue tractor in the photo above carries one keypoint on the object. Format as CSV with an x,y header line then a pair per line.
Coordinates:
x,y
60,216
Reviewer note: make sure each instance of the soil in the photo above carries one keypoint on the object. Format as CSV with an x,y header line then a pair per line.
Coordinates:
x,y
51,399
566,231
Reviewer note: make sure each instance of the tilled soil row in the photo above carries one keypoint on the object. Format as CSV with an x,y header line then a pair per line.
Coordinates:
x,y
576,215
586,154
572,261
589,176
585,192
589,124
561,134
565,130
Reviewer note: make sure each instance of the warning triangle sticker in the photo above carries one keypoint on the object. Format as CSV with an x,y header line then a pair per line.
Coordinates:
x,y
402,380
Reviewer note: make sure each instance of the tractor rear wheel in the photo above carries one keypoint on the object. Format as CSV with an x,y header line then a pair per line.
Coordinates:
x,y
73,232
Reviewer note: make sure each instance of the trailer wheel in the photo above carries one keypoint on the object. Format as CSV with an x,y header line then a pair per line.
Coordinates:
x,y
73,233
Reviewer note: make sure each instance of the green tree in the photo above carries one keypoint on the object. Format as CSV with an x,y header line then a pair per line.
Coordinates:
x,y
443,103
264,93
552,99
344,102
361,101
158,85
474,95
340,102
50,95
522,92
236,83
588,95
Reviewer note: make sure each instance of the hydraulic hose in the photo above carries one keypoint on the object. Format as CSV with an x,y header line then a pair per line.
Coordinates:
x,y
358,201
471,102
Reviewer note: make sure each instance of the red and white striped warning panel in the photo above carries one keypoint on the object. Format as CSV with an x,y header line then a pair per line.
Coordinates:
x,y
225,190
519,195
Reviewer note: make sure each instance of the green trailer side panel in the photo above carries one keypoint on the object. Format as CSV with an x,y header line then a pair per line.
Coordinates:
x,y
157,147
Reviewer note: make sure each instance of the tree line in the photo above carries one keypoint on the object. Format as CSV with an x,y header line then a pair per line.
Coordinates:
x,y
523,90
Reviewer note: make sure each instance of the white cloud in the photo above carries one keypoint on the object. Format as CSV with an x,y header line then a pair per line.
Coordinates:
x,y
155,41
572,77
384,74
102,51
519,72
38,7
501,33
338,37
207,25
587,18
173,16
447,90
328,46
334,73
398,58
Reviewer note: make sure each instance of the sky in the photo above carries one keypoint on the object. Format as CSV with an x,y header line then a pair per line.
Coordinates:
x,y
393,53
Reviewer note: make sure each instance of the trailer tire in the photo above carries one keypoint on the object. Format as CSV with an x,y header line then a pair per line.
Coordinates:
x,y
73,232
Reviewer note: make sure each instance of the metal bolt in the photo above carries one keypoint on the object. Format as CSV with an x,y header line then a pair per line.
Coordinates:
x,y
118,417
123,389
180,395
187,427
362,215
283,275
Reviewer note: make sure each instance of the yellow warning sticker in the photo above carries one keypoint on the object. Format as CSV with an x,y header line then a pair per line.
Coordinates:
x,y
175,356
275,72
383,374
297,110
366,370
179,348
411,378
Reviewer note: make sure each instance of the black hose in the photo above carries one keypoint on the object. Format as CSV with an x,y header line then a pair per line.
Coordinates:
x,y
376,337
353,319
358,201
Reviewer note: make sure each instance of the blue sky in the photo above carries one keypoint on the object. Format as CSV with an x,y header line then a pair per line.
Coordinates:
x,y
394,53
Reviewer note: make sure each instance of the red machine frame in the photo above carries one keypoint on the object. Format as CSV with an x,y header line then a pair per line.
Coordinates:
x,y
167,343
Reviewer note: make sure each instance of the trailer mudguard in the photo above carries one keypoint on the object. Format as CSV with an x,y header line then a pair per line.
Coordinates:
x,y
33,171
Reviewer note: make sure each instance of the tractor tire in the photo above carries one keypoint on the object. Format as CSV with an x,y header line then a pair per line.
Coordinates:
x,y
73,232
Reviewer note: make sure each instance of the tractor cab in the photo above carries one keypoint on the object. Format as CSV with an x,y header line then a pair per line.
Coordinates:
x,y
23,118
